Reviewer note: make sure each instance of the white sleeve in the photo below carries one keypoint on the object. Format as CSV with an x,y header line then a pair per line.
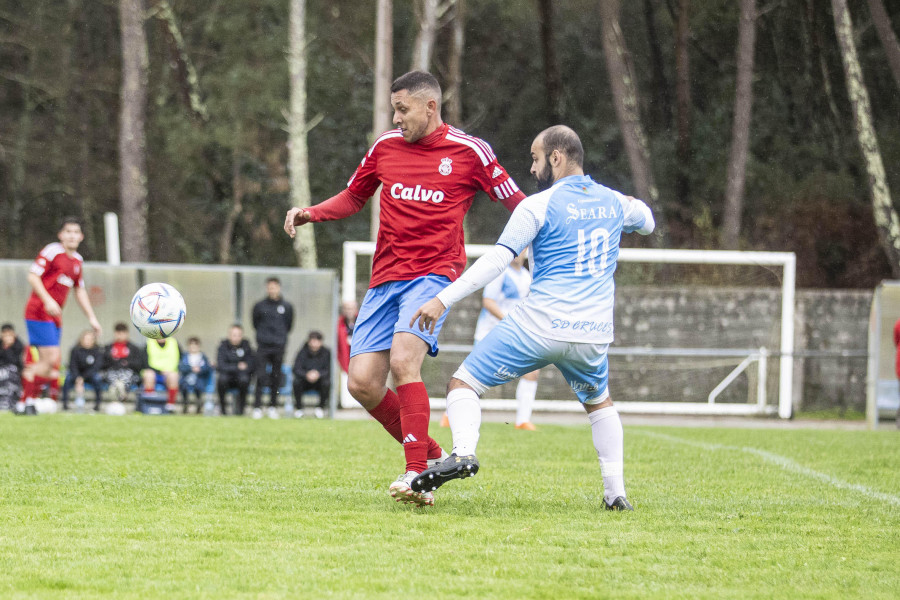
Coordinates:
x,y
638,216
486,269
494,289
524,224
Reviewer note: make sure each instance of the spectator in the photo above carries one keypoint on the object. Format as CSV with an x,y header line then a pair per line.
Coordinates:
x,y
163,357
195,371
897,361
235,369
312,372
85,366
273,317
346,323
11,355
123,362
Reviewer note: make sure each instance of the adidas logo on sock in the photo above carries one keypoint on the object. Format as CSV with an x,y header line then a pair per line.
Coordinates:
x,y
409,438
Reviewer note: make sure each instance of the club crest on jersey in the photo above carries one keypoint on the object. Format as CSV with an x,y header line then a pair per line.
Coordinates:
x,y
446,167
400,191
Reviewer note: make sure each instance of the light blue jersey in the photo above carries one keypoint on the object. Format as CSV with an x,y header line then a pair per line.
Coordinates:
x,y
575,227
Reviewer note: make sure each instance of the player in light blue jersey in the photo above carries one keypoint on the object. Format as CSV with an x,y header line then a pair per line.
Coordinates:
x,y
574,227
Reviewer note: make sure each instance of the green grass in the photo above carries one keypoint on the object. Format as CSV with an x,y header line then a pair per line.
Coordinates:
x,y
185,507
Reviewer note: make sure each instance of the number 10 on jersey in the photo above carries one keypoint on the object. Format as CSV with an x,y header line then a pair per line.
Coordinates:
x,y
596,250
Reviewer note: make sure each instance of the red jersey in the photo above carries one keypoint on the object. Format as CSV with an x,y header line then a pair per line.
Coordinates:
x,y
427,187
58,272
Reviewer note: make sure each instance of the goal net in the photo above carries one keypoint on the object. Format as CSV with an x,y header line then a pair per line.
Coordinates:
x,y
697,332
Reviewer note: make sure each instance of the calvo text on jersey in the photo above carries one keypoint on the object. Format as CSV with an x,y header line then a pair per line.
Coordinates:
x,y
398,190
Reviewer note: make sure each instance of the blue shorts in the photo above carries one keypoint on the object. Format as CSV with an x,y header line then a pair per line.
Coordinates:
x,y
509,351
42,333
388,308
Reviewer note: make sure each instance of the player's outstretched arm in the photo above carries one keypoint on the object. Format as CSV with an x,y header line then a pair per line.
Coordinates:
x,y
337,207
428,315
84,301
295,218
485,270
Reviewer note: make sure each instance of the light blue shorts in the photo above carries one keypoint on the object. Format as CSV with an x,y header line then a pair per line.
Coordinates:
x,y
42,333
509,351
388,308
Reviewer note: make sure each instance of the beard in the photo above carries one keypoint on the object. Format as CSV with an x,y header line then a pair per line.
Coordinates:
x,y
544,178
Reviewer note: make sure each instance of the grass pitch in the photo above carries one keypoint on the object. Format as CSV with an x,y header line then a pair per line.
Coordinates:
x,y
188,507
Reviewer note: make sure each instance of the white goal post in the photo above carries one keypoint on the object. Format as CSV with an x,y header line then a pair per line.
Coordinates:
x,y
785,353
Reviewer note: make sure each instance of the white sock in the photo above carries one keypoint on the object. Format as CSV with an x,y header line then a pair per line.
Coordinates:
x,y
464,413
525,393
606,430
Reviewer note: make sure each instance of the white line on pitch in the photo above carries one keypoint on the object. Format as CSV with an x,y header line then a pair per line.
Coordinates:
x,y
784,463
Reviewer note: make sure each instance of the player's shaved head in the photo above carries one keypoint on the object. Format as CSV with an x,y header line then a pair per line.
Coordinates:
x,y
564,139
419,83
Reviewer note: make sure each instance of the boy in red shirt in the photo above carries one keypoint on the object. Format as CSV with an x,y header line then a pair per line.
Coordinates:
x,y
57,269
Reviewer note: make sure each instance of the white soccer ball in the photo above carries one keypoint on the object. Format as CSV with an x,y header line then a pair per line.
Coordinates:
x,y
157,310
116,409
45,406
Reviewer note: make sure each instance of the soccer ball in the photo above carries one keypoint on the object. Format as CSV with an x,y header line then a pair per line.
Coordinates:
x,y
157,310
115,409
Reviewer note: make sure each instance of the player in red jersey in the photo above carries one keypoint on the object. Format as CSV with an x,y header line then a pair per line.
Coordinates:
x,y
429,173
56,269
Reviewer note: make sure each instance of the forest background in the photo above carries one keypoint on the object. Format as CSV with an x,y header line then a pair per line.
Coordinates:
x,y
217,179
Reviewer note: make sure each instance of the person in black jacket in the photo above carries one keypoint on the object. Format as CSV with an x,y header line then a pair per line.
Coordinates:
x,y
312,372
11,358
273,317
123,363
85,366
234,366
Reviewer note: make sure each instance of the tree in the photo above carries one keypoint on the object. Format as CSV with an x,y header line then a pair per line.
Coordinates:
x,y
886,219
298,151
381,107
132,146
552,80
683,106
186,74
888,39
453,93
427,19
740,129
624,92
661,93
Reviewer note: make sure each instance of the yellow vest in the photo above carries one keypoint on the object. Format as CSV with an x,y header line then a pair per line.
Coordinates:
x,y
163,358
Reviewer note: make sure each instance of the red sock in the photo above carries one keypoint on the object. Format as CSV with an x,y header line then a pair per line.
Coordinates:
x,y
173,395
27,388
54,388
388,414
38,386
415,411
